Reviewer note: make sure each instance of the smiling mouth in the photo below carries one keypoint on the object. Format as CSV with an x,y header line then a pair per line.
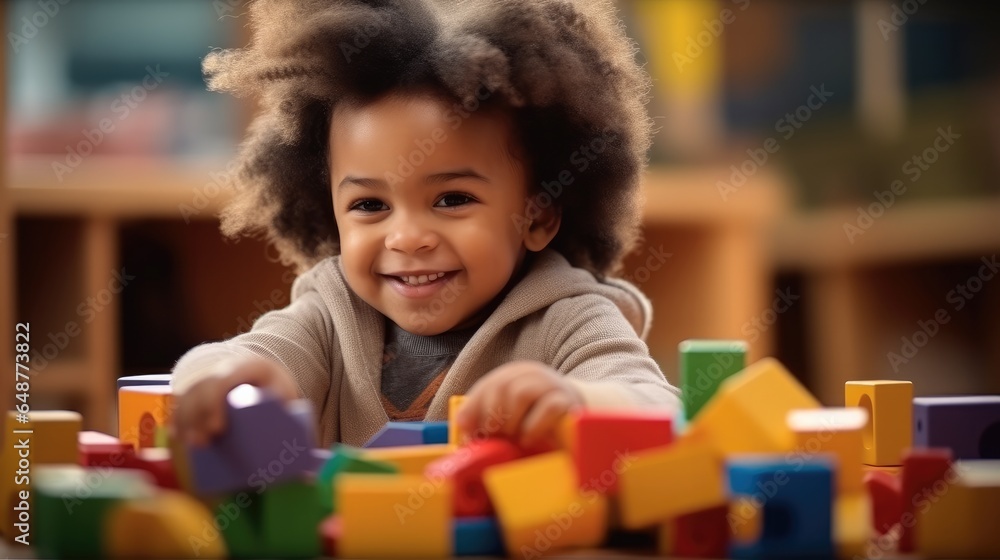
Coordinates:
x,y
420,280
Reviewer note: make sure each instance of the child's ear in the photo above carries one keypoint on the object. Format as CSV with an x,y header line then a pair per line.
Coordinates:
x,y
542,229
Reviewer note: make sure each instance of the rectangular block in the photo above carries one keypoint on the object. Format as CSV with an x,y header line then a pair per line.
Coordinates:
x,y
704,365
290,516
962,522
701,534
478,536
99,449
141,409
148,379
748,413
401,516
600,442
465,467
890,411
345,459
662,484
836,431
923,471
412,459
540,495
399,434
968,425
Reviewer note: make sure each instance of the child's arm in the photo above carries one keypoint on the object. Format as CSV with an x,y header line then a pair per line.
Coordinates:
x,y
598,362
287,351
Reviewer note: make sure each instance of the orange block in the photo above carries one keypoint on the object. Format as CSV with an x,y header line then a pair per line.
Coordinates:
x,y
836,431
168,525
890,418
454,402
409,459
141,410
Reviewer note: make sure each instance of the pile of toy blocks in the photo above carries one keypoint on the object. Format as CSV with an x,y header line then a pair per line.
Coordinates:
x,y
753,468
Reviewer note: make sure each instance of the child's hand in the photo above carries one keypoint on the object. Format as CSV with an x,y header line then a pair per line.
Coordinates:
x,y
524,400
201,410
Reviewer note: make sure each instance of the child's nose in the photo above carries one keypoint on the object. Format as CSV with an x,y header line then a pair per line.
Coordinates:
x,y
410,237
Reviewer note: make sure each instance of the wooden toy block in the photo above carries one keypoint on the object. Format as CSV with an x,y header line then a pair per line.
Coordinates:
x,y
748,412
795,499
156,461
454,402
97,449
602,442
704,365
411,459
397,434
330,530
464,468
478,536
836,431
168,524
141,408
290,518
852,524
701,534
238,519
890,411
49,437
264,441
71,503
345,459
962,522
925,472
402,516
661,484
886,493
969,426
541,507
148,379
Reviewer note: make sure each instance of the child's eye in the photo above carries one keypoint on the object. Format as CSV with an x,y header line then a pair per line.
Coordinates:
x,y
453,199
368,205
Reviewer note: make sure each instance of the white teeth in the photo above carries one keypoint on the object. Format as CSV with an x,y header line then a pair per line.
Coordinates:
x,y
422,279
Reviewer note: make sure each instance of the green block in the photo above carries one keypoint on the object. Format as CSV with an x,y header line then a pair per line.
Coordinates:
x,y
71,503
161,438
705,364
345,459
290,516
238,517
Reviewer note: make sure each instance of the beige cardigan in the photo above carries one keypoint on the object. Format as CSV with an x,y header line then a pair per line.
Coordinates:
x,y
331,341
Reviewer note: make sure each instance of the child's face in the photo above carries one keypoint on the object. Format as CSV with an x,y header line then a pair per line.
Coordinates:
x,y
419,190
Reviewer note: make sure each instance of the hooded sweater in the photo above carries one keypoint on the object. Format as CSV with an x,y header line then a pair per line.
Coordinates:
x,y
331,341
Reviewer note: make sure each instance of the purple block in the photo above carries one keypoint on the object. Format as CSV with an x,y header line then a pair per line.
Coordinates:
x,y
969,426
395,434
149,379
264,442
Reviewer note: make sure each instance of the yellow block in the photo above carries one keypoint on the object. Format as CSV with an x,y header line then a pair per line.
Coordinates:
x,y
388,516
541,507
836,431
168,525
852,524
410,459
48,438
890,411
962,523
141,410
661,484
454,402
669,28
748,414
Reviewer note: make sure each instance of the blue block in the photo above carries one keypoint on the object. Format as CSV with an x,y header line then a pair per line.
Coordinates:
x,y
478,536
796,495
149,379
395,434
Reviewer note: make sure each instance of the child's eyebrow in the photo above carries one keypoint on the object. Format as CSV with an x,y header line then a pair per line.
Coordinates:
x,y
375,183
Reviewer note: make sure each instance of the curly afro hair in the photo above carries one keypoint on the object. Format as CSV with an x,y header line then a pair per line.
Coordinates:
x,y
563,68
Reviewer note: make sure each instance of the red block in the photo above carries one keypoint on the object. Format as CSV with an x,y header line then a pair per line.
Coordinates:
x,y
101,450
465,469
329,532
886,491
922,469
702,534
156,461
601,441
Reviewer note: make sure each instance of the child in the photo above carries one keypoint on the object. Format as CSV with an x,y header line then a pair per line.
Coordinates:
x,y
456,180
